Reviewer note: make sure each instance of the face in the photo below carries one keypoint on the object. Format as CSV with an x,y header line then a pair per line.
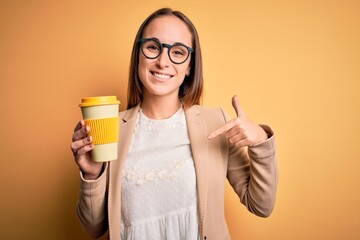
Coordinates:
x,y
160,76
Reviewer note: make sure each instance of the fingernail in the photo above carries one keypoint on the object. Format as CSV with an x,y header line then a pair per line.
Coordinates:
x,y
88,138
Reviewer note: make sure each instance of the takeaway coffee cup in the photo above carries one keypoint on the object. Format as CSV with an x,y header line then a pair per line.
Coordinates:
x,y
101,115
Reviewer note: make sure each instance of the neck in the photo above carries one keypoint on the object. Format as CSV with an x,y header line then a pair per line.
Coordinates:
x,y
160,107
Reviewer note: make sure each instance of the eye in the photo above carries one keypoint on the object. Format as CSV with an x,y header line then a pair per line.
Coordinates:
x,y
178,51
153,48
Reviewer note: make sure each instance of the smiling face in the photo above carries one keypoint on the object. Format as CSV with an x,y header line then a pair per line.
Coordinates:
x,y
161,77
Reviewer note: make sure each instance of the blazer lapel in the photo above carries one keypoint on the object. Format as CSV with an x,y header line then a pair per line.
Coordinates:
x,y
127,127
199,147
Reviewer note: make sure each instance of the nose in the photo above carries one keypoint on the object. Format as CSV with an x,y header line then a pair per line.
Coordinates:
x,y
163,59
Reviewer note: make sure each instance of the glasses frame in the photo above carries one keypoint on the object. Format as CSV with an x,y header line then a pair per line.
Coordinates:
x,y
162,46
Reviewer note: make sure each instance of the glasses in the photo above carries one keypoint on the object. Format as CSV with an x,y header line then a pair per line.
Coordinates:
x,y
152,48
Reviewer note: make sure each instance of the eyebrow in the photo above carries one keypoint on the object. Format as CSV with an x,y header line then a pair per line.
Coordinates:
x,y
169,43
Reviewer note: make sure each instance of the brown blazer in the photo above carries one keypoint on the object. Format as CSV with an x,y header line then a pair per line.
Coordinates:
x,y
251,171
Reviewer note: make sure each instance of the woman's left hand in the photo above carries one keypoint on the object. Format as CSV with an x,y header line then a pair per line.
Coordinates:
x,y
240,131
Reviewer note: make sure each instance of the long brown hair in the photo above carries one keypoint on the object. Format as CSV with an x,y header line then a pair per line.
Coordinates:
x,y
192,88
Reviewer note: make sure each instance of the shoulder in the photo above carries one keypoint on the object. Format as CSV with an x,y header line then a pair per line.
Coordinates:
x,y
129,114
124,112
211,114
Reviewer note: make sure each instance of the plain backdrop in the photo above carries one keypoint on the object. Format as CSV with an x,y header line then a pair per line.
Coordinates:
x,y
294,65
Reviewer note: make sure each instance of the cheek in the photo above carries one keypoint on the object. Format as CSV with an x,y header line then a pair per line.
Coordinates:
x,y
185,70
142,68
188,67
141,64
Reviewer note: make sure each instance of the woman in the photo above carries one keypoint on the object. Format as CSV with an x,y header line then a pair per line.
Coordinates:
x,y
174,155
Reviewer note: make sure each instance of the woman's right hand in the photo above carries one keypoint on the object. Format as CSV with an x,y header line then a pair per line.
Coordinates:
x,y
81,146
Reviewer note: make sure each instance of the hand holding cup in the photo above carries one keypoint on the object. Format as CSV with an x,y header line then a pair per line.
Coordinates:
x,y
81,146
95,139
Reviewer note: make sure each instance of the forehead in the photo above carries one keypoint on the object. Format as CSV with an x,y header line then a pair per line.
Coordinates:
x,y
168,29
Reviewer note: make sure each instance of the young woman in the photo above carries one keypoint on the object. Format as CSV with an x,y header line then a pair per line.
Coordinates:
x,y
174,155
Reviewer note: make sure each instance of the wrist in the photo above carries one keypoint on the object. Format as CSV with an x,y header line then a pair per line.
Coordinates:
x,y
88,176
92,176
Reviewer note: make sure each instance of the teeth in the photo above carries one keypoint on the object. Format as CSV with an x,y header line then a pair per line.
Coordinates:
x,y
162,76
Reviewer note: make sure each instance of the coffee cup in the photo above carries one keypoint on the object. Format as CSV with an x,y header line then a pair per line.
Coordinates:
x,y
101,114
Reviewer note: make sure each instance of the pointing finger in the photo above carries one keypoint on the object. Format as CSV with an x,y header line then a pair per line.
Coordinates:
x,y
221,130
237,107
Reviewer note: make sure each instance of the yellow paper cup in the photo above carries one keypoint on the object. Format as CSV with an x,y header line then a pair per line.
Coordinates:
x,y
101,114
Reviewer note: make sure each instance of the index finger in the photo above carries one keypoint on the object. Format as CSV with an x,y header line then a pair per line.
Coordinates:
x,y
79,125
80,131
221,130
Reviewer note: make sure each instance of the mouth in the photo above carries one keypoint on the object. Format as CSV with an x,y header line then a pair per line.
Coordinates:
x,y
161,76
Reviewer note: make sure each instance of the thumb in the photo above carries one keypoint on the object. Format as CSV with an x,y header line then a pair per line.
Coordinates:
x,y
235,102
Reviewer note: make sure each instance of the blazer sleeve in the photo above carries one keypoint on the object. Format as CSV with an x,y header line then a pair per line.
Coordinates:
x,y
253,173
92,204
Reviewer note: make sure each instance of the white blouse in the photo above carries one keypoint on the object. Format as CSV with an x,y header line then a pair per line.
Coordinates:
x,y
158,194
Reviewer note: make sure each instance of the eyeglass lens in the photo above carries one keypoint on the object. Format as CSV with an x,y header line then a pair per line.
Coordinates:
x,y
152,49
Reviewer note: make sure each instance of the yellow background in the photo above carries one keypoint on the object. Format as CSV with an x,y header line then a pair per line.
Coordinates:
x,y
294,65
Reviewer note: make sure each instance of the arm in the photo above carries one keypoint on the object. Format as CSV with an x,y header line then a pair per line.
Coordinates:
x,y
253,174
91,207
252,165
92,204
